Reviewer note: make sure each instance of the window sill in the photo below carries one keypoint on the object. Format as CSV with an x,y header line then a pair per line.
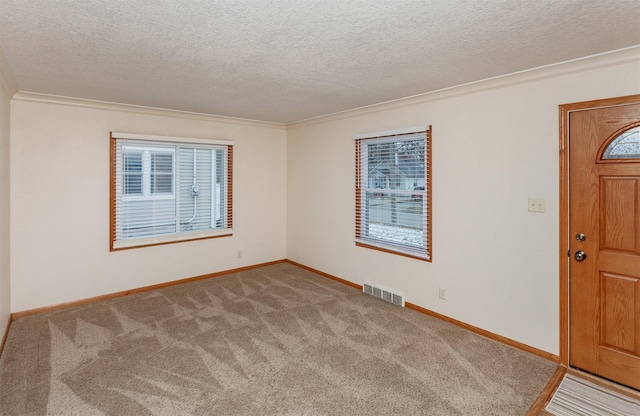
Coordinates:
x,y
414,255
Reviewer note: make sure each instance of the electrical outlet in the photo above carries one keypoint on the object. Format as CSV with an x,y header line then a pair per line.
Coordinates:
x,y
442,293
239,254
536,204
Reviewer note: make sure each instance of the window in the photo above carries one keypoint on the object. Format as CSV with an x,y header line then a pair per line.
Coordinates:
x,y
625,146
168,189
393,191
148,172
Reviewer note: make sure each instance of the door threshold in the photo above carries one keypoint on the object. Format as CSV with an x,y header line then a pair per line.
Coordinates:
x,y
603,382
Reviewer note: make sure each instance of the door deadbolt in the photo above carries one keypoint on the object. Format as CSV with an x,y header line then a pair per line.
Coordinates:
x,y
580,255
581,237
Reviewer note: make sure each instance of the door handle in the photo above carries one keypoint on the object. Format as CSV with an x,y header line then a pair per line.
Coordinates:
x,y
580,255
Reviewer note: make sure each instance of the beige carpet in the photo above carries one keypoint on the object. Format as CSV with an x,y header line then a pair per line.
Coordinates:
x,y
278,340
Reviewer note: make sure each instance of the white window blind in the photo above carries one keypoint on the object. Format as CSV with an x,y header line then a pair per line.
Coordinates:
x,y
166,191
393,202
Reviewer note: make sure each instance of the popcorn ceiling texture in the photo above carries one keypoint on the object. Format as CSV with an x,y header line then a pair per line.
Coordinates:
x,y
289,60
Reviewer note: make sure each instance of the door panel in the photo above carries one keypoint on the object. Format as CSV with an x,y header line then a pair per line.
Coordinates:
x,y
619,205
620,312
604,205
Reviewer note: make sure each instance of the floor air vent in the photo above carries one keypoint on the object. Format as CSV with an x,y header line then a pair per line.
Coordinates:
x,y
396,298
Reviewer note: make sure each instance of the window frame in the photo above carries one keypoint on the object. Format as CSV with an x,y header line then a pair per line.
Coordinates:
x,y
366,241
180,236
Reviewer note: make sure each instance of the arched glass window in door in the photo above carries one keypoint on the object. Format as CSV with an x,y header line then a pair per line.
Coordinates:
x,y
625,146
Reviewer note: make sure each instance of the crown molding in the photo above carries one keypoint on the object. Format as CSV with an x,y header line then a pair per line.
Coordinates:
x,y
130,108
611,58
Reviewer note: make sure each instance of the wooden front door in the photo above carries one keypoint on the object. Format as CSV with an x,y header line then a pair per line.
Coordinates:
x,y
604,239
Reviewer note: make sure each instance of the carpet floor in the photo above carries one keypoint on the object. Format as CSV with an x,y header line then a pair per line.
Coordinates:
x,y
276,340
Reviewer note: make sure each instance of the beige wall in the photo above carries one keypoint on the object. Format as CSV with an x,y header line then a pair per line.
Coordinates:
x,y
495,143
60,200
6,90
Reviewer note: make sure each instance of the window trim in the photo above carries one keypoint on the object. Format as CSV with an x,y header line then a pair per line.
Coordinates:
x,y
140,242
380,245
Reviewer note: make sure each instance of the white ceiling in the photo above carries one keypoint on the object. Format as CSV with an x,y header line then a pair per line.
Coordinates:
x,y
288,60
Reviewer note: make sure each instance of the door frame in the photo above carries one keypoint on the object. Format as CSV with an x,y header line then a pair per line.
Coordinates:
x,y
564,111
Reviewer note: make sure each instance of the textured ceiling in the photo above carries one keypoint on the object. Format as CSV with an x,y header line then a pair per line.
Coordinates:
x,y
289,60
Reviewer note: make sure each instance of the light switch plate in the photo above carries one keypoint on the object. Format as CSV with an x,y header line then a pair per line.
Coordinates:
x,y
536,204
